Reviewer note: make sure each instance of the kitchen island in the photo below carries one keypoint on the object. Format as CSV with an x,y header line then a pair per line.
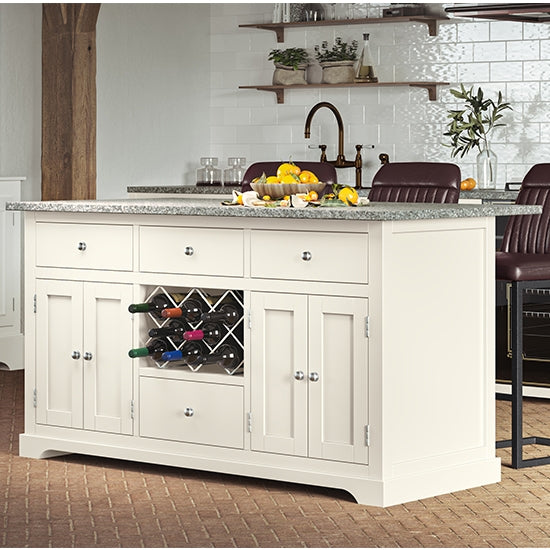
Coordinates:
x,y
365,340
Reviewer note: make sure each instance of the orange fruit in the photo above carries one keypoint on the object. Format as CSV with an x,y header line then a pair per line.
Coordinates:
x,y
308,177
287,168
468,184
312,195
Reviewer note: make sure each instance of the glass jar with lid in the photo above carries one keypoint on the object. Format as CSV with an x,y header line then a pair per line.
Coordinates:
x,y
209,174
233,175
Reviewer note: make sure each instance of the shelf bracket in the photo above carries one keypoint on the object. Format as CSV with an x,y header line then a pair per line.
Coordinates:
x,y
430,23
432,89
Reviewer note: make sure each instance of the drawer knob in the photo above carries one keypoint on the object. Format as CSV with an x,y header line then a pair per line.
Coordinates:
x,y
87,356
75,354
188,411
82,246
314,376
189,251
306,255
299,375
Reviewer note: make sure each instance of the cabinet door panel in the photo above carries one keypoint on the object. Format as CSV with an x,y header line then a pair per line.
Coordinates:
x,y
58,335
10,244
278,347
108,374
338,399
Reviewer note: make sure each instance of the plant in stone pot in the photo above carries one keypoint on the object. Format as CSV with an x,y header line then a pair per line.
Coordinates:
x,y
338,61
471,126
290,66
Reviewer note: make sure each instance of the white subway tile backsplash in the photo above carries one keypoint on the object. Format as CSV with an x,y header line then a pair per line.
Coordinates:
x,y
497,55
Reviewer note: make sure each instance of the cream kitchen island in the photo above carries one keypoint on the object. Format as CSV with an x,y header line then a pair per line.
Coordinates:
x,y
367,337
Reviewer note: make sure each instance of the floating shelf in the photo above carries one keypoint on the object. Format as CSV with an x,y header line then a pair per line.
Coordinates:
x,y
279,28
279,91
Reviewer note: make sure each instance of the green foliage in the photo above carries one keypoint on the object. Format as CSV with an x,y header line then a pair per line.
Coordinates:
x,y
340,51
470,127
291,57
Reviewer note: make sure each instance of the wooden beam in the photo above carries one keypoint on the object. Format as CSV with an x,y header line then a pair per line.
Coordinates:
x,y
69,101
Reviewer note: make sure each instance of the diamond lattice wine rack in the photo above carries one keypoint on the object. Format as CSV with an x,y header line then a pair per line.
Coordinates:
x,y
229,333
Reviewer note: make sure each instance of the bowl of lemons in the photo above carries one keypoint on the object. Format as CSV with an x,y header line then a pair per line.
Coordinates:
x,y
289,180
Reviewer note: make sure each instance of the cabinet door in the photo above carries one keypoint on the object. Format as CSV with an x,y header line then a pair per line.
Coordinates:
x,y
338,378
10,257
278,350
107,369
59,352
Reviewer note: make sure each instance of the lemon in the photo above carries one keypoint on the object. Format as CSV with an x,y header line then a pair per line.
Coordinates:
x,y
307,176
287,168
272,179
290,178
348,195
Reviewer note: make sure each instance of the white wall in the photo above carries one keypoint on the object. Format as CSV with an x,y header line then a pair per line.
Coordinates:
x,y
153,79
508,56
20,94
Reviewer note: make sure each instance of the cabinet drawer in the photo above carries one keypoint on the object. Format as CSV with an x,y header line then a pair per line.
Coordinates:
x,y
195,251
217,412
85,246
310,256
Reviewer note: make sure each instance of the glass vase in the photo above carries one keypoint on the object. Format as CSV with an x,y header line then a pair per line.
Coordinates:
x,y
486,168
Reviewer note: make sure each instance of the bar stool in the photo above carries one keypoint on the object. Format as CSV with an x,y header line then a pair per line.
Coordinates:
x,y
430,182
324,171
524,264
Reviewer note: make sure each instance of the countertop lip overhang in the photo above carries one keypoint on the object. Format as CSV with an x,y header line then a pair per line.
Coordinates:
x,y
214,208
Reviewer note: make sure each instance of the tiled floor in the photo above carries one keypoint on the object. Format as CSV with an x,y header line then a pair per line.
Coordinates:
x,y
92,502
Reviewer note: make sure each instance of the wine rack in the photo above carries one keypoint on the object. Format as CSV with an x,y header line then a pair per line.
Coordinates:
x,y
211,300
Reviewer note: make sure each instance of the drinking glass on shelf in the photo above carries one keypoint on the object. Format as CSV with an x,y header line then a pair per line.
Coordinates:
x,y
209,174
233,175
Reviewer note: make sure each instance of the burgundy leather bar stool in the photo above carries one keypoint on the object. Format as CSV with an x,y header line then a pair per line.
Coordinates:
x,y
524,264
431,182
324,171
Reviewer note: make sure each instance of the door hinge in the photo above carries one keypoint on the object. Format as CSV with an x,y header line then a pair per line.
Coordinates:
x,y
34,398
249,319
13,304
367,326
249,422
34,304
132,409
367,435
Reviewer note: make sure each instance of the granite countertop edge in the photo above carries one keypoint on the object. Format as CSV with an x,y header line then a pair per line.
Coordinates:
x,y
211,207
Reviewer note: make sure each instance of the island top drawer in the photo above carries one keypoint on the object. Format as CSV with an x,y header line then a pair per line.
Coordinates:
x,y
188,250
196,412
84,246
310,256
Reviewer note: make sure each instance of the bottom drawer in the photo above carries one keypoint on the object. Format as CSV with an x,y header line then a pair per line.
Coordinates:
x,y
195,412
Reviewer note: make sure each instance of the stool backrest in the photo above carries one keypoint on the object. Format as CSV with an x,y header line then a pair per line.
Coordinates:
x,y
530,234
324,171
432,182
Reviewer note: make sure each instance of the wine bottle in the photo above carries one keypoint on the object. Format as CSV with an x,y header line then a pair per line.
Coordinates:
x,y
227,313
192,354
210,333
227,357
155,349
157,303
190,310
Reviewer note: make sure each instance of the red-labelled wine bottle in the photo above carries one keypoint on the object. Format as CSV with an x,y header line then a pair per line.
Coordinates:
x,y
190,310
227,313
210,333
155,349
156,304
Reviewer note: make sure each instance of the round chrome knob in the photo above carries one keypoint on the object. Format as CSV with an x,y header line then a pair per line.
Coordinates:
x,y
188,411
306,255
299,375
313,376
87,356
75,354
82,246
189,251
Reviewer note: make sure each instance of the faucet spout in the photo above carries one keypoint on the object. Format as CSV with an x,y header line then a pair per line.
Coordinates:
x,y
340,161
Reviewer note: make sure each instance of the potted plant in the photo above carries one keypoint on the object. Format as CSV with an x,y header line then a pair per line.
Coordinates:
x,y
338,61
471,126
290,66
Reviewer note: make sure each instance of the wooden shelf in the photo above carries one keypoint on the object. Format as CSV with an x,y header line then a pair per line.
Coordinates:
x,y
279,91
279,28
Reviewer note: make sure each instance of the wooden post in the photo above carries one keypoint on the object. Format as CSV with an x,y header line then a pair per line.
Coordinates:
x,y
69,101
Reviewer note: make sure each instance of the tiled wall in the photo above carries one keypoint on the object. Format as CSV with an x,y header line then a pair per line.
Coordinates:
x,y
508,56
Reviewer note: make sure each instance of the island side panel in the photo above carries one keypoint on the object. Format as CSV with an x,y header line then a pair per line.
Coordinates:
x,y
437,348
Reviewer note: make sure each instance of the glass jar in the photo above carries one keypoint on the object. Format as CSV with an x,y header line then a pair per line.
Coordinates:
x,y
233,175
209,174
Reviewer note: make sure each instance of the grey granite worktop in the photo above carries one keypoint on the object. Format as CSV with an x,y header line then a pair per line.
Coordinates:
x,y
485,195
213,207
